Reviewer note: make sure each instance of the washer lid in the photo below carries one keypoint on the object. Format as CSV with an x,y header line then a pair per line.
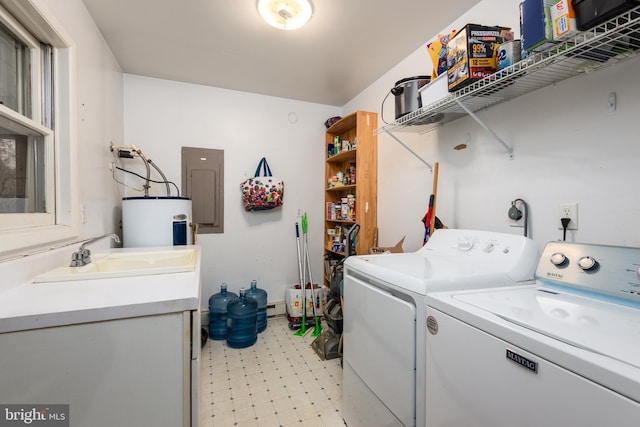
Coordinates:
x,y
605,328
410,271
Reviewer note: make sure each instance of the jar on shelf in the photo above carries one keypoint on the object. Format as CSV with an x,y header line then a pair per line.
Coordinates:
x,y
344,208
351,207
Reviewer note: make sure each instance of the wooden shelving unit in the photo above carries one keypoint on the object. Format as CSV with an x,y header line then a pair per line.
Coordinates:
x,y
359,195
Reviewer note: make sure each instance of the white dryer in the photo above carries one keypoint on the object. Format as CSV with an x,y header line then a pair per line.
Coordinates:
x,y
562,352
385,314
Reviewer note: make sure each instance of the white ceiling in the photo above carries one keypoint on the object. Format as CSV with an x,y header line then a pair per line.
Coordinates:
x,y
346,46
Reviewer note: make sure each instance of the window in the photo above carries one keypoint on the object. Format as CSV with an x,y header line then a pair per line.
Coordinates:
x,y
35,130
15,76
25,141
22,173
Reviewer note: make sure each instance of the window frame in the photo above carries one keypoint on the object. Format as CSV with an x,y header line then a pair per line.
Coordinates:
x,y
37,231
12,221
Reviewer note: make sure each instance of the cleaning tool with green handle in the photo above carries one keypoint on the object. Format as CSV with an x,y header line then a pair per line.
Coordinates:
x,y
317,329
303,326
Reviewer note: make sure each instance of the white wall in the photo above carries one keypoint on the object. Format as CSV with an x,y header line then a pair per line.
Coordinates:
x,y
162,116
99,116
568,148
98,85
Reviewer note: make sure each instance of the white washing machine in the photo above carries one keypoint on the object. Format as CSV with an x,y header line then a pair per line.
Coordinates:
x,y
385,314
562,352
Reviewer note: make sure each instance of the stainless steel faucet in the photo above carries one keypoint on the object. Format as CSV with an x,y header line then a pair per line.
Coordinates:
x,y
83,255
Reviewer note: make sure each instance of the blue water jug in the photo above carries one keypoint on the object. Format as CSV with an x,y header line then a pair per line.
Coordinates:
x,y
218,312
242,329
260,295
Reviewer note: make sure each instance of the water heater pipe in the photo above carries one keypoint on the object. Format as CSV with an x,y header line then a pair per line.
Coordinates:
x,y
132,151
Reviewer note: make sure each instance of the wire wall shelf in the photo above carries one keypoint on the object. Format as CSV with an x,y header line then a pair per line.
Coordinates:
x,y
611,42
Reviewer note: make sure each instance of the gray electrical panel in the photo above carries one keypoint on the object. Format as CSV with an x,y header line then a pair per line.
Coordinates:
x,y
203,182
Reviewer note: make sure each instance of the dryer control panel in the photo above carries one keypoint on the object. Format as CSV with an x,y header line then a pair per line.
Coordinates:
x,y
607,270
476,252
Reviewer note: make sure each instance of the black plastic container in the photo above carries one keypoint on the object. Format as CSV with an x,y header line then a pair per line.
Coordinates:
x,y
333,316
590,13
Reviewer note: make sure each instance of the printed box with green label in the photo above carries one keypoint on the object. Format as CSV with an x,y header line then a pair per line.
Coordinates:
x,y
471,54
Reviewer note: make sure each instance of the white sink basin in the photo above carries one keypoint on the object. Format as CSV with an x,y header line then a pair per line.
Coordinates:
x,y
124,264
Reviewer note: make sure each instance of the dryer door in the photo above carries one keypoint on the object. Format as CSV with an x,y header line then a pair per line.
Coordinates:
x,y
380,349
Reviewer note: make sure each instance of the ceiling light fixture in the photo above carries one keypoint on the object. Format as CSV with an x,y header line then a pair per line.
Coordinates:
x,y
285,14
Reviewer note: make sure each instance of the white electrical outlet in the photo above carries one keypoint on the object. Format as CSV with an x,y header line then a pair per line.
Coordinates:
x,y
516,222
568,210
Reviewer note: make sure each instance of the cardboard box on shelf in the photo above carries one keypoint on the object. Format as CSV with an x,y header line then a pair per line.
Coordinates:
x,y
563,19
471,54
536,28
438,52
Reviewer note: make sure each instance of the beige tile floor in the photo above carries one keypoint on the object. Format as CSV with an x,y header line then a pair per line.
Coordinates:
x,y
279,381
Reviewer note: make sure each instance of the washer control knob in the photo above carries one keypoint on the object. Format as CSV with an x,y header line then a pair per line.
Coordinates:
x,y
558,259
587,263
465,245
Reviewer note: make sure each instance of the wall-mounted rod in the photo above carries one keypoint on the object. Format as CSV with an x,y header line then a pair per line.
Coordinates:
x,y
409,149
481,123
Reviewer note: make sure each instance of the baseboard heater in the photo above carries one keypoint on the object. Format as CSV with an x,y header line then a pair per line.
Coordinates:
x,y
274,309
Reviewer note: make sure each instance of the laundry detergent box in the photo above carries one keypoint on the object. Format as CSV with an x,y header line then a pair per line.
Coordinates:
x,y
471,54
563,20
508,53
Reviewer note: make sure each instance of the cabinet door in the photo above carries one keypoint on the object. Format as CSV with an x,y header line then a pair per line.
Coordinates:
x,y
115,373
380,349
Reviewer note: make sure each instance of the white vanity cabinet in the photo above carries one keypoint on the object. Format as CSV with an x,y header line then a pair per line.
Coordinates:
x,y
124,372
119,351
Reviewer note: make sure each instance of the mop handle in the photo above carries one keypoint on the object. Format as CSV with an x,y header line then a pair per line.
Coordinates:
x,y
313,297
304,223
302,285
